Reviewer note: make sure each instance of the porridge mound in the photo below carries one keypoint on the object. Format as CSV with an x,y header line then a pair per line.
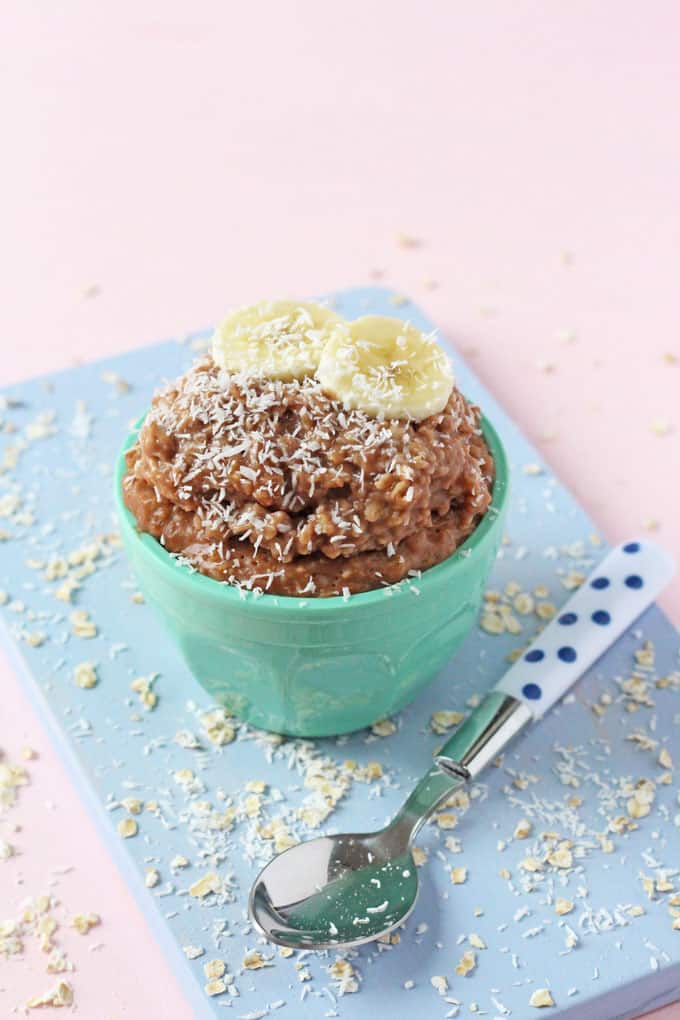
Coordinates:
x,y
274,486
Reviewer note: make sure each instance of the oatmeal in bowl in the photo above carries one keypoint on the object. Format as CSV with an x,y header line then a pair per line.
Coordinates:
x,y
308,473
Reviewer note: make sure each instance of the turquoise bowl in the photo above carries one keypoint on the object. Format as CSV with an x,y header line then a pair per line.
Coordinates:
x,y
317,667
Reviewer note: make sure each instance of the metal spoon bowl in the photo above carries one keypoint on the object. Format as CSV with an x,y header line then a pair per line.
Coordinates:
x,y
334,890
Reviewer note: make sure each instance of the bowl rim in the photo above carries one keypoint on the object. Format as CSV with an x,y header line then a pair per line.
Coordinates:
x,y
266,604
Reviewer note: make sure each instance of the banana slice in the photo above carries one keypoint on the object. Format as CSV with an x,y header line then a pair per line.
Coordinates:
x,y
387,368
275,339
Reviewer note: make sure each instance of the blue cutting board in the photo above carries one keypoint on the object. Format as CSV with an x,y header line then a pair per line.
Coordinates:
x,y
58,498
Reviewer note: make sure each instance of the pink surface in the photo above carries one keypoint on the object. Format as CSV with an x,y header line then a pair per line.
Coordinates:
x,y
166,161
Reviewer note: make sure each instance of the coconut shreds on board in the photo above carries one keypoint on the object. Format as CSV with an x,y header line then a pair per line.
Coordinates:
x,y
544,853
553,851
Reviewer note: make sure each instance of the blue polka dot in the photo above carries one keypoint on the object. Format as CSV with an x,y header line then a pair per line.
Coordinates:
x,y
600,582
566,653
535,655
602,617
567,619
532,692
634,581
632,547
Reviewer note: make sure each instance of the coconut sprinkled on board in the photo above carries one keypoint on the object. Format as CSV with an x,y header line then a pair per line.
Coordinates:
x,y
197,835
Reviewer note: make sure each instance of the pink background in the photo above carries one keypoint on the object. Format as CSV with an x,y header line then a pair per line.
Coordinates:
x,y
163,161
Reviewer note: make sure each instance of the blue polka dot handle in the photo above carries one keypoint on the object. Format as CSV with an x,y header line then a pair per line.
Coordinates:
x,y
623,585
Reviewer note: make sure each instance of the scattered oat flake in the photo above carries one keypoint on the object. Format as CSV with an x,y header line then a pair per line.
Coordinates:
x,y
458,875
573,579
82,624
341,970
60,995
560,858
523,829
444,719
467,963
218,727
83,922
214,968
209,883
215,987
649,886
637,809
541,997
383,728
492,623
133,805
523,603
254,960
85,675
34,638
127,827
143,686
563,906
193,952
344,974
477,941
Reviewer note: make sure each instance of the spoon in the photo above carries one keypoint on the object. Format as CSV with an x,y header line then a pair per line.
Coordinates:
x,y
344,890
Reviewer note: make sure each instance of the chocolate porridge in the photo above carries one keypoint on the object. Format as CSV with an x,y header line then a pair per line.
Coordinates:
x,y
274,486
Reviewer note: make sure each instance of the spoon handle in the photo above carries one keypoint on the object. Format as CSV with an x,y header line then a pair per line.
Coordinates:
x,y
620,588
